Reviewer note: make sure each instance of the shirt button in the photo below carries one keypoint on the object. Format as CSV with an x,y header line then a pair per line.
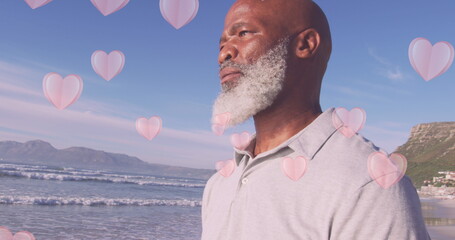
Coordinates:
x,y
244,180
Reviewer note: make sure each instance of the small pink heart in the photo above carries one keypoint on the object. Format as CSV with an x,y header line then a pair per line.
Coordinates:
x,y
107,7
348,122
219,123
62,92
24,235
108,65
5,234
386,171
430,61
148,128
179,12
294,168
225,168
240,141
37,3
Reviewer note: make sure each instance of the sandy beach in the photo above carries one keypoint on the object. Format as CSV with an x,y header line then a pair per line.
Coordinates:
x,y
440,218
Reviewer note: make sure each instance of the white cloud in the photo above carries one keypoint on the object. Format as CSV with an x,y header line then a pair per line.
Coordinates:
x,y
387,69
394,74
16,70
381,60
8,88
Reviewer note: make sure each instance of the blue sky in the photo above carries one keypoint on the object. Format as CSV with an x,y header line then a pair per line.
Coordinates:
x,y
174,74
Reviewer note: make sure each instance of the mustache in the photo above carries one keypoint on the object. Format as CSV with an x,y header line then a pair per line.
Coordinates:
x,y
241,67
283,42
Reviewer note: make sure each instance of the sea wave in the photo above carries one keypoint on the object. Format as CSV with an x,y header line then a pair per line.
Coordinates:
x,y
46,169
95,201
119,179
71,174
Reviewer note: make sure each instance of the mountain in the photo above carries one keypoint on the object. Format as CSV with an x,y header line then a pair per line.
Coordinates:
x,y
41,152
429,149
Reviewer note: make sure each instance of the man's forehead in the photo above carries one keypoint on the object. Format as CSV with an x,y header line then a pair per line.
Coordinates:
x,y
242,6
244,11
238,9
271,10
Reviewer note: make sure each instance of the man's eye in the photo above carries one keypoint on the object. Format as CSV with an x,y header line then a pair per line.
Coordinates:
x,y
243,33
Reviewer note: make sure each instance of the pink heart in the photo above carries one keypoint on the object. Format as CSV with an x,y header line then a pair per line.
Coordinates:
x,y
225,168
37,3
179,12
107,7
386,171
430,61
348,122
240,141
23,235
219,123
62,92
148,128
5,234
294,168
108,66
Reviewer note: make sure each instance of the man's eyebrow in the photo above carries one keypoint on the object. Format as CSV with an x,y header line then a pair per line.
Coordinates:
x,y
234,29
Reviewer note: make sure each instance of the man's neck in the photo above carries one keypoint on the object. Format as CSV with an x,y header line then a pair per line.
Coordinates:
x,y
275,126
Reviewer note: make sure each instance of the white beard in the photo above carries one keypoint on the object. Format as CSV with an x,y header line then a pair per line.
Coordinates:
x,y
256,89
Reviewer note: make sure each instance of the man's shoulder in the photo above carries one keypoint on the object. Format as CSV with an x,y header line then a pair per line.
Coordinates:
x,y
348,159
211,180
351,169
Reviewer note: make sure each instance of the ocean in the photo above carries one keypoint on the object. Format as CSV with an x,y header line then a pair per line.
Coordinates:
x,y
68,203
81,204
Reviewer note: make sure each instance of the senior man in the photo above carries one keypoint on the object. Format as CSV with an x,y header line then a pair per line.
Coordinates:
x,y
273,55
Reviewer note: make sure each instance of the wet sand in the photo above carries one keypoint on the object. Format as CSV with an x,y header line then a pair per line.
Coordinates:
x,y
442,232
440,218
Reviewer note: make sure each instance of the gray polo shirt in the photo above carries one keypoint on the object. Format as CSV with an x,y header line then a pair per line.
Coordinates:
x,y
335,199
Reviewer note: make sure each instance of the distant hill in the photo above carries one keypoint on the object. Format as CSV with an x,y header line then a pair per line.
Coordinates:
x,y
429,149
41,152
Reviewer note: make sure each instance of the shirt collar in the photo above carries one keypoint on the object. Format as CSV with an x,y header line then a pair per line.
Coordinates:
x,y
307,142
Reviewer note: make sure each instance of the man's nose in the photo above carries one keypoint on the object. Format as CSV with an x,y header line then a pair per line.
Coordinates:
x,y
227,52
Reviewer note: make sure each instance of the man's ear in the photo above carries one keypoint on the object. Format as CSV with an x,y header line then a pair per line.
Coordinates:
x,y
307,44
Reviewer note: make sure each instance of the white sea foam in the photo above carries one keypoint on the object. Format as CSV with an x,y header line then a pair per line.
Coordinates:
x,y
41,173
95,201
125,179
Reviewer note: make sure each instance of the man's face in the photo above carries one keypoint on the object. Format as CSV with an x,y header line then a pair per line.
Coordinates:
x,y
252,64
